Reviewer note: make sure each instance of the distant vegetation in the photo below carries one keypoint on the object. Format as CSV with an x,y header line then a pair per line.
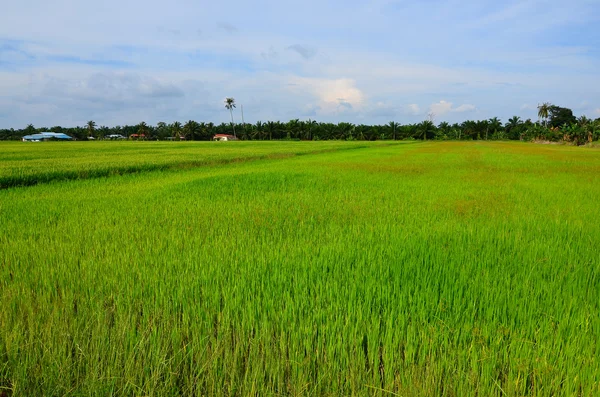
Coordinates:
x,y
555,124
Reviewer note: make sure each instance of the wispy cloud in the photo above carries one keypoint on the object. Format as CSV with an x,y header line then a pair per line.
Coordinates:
x,y
304,51
92,62
465,108
227,27
271,53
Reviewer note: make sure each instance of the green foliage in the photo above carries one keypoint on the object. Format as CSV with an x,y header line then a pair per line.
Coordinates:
x,y
414,269
544,111
296,129
560,116
91,128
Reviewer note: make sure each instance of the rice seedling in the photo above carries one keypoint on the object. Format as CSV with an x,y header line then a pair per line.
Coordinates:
x,y
423,269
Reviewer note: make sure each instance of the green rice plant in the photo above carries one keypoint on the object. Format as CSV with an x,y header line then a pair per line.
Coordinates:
x,y
438,268
26,164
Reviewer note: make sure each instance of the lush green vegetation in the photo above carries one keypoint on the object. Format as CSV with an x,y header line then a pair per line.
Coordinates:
x,y
24,164
429,268
555,123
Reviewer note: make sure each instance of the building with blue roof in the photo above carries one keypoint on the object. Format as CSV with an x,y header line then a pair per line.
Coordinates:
x,y
47,136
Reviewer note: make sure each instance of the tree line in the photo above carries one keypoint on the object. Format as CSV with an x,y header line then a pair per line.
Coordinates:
x,y
555,123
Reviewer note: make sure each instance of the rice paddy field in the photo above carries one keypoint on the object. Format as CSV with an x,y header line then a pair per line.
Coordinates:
x,y
299,268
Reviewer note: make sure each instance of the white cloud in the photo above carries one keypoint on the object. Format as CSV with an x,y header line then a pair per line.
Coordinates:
x,y
597,111
465,108
333,95
442,108
413,109
527,106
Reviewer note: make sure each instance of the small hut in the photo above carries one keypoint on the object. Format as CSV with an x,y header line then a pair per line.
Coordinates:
x,y
224,137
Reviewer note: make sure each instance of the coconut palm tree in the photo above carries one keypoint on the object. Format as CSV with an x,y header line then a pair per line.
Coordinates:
x,y
230,105
142,130
544,111
91,127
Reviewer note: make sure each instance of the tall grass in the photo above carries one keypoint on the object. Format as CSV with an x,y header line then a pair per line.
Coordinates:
x,y
427,269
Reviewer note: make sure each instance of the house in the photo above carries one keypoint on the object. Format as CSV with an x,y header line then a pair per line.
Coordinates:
x,y
115,136
47,136
137,136
224,137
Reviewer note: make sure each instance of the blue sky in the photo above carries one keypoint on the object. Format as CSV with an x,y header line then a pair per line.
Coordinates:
x,y
120,62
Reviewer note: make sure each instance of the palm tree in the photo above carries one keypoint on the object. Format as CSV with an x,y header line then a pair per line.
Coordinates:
x,y
258,129
292,128
544,111
311,124
444,127
230,105
176,130
514,122
91,126
191,129
209,128
583,120
394,126
271,127
595,129
30,129
360,132
103,131
425,128
586,126
429,125
142,130
513,126
495,125
344,130
162,130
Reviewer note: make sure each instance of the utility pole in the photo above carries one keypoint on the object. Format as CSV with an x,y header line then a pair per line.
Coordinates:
x,y
243,123
430,118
